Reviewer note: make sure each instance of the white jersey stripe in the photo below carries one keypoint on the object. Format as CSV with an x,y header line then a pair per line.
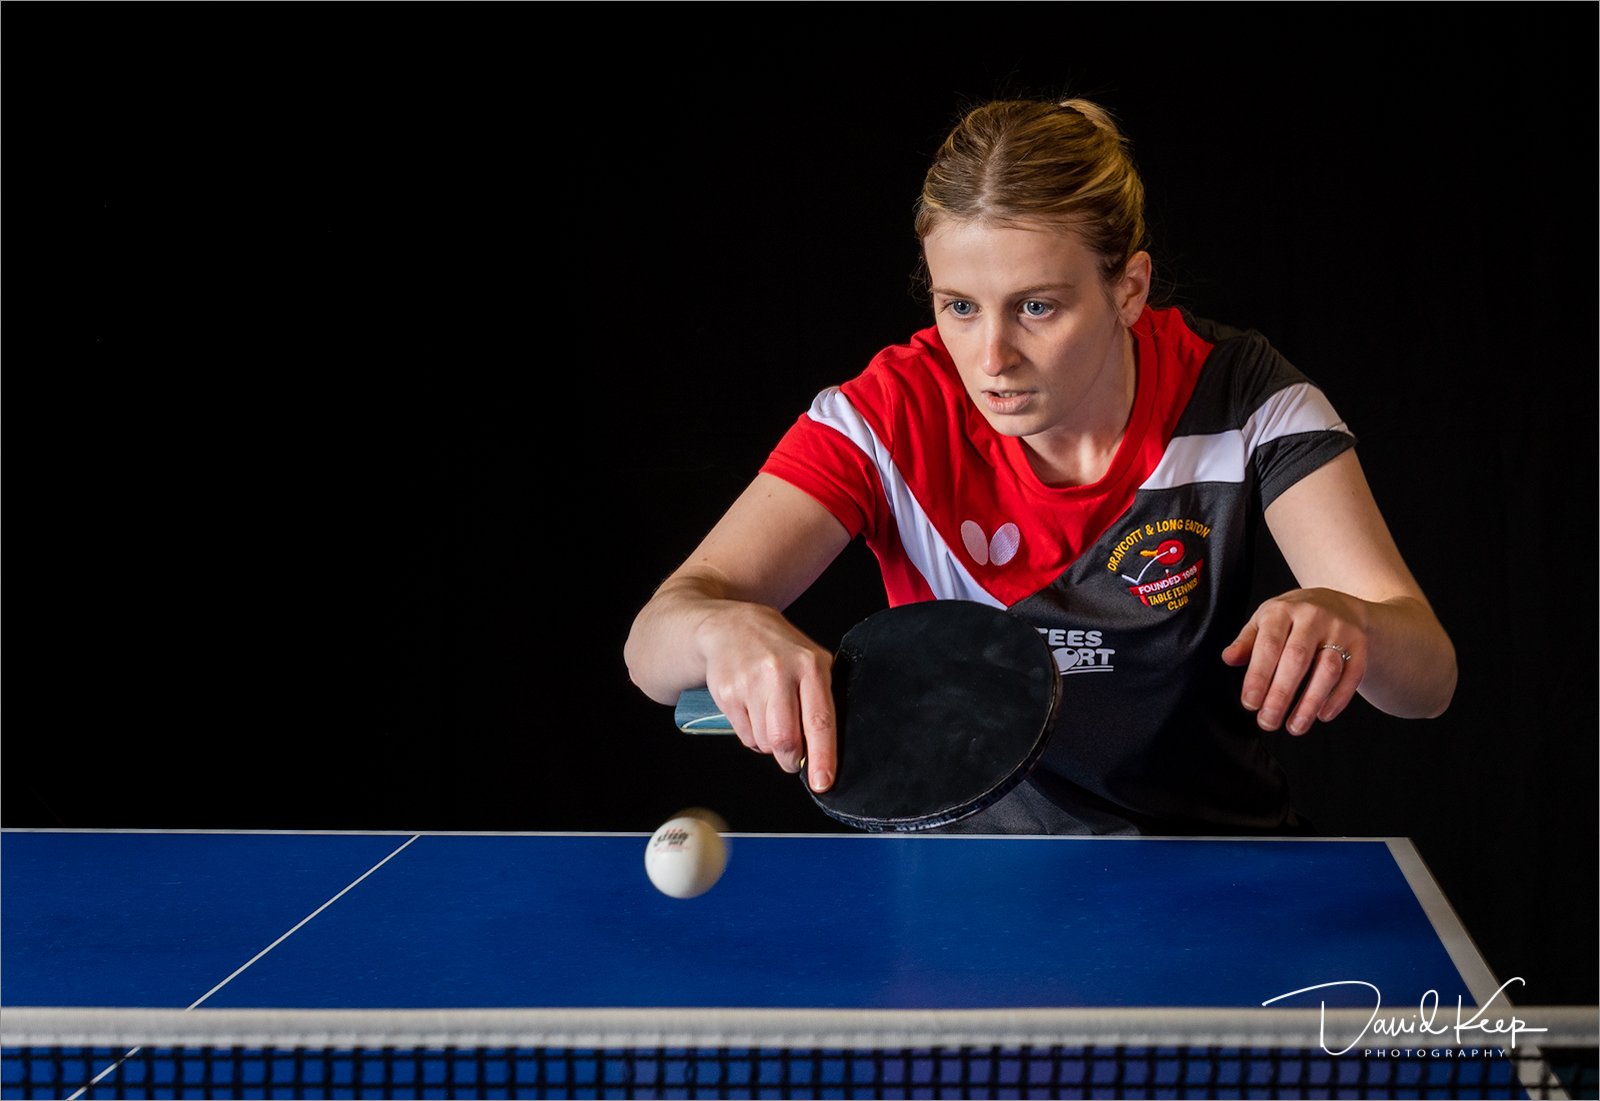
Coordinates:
x,y
1217,457
1225,456
947,578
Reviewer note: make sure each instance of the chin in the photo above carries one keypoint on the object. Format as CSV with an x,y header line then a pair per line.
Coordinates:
x,y
1019,427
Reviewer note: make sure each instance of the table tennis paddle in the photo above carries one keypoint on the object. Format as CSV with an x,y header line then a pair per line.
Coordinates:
x,y
942,708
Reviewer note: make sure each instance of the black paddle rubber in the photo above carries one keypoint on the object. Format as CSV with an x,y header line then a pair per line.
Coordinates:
x,y
943,707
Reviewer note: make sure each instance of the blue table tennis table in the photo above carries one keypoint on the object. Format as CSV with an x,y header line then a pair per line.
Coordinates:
x,y
546,964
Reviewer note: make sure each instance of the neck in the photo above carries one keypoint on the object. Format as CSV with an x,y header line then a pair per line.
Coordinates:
x,y
1081,454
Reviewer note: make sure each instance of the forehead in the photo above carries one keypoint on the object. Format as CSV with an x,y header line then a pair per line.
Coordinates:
x,y
992,256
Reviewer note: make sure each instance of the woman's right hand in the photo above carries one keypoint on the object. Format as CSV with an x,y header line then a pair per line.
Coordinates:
x,y
774,685
718,621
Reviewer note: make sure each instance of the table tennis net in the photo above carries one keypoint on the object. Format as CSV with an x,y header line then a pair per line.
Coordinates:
x,y
663,1053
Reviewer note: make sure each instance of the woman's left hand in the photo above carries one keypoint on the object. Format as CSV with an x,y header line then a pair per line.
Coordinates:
x,y
1306,643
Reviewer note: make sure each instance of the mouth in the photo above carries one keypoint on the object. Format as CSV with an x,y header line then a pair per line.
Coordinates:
x,y
1007,401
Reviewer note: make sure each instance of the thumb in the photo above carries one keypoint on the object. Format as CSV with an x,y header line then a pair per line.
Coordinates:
x,y
1238,651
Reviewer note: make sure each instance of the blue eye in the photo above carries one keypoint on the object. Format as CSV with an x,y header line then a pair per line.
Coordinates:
x,y
960,308
1036,309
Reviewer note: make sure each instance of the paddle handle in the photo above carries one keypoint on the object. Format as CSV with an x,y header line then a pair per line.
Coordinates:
x,y
697,713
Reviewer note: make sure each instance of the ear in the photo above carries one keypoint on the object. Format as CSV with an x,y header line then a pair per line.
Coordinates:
x,y
1132,287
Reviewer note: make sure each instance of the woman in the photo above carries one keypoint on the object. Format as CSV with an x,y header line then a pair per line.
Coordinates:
x,y
1057,446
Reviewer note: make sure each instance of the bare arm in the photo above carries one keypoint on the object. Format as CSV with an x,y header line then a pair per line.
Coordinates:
x,y
717,621
1358,594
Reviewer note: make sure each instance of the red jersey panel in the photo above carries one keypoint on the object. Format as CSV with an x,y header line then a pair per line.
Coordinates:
x,y
952,508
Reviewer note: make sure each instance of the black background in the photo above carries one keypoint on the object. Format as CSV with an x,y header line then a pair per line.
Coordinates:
x,y
366,367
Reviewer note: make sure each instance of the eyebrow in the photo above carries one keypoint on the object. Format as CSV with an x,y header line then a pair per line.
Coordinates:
x,y
1022,293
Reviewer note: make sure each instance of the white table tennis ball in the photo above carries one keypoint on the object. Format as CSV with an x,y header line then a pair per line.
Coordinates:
x,y
706,815
685,857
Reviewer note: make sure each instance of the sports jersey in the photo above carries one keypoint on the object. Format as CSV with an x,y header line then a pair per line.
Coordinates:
x,y
1137,582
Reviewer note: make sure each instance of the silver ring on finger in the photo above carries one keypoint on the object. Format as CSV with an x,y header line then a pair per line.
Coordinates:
x,y
1344,655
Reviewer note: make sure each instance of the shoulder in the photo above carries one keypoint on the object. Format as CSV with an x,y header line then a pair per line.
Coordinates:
x,y
1236,370
1245,354
919,369
908,388
1178,335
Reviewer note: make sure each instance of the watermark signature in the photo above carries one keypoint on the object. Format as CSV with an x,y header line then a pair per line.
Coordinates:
x,y
1425,1021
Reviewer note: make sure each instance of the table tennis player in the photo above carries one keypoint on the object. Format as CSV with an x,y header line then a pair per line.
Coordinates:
x,y
1058,445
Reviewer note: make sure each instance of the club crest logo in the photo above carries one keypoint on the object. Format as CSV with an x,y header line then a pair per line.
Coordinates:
x,y
1161,561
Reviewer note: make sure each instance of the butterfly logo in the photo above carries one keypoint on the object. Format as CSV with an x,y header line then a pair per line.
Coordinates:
x,y
985,549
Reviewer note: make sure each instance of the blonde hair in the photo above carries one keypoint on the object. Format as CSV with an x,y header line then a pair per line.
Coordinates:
x,y
1010,161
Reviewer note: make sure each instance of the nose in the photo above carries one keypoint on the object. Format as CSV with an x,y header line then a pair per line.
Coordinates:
x,y
999,352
